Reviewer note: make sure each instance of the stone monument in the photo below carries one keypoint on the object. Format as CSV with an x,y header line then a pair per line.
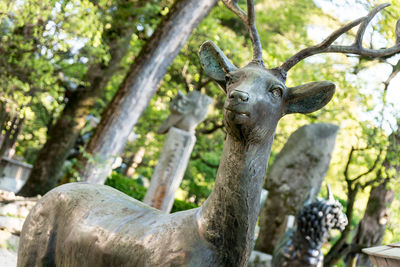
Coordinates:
x,y
299,168
186,112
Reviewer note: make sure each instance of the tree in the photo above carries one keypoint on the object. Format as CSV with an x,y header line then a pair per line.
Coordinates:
x,y
139,86
378,175
371,229
11,122
46,171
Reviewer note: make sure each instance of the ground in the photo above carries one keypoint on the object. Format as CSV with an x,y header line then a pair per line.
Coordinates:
x,y
13,211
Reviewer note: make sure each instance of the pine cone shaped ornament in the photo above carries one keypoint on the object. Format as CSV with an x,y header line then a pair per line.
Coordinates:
x,y
301,245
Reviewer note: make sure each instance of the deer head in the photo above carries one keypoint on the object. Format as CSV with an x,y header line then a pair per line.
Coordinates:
x,y
257,97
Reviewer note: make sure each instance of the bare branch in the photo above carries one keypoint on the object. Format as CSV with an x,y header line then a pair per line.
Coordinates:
x,y
211,130
371,169
395,71
185,76
346,169
201,85
205,162
248,20
356,48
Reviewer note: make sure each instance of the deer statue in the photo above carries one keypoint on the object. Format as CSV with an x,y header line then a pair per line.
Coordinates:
x,y
82,224
301,245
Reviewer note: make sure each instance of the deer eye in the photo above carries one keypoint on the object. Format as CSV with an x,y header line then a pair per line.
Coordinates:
x,y
276,92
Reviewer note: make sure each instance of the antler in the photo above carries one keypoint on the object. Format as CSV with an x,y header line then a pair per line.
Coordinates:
x,y
248,20
356,48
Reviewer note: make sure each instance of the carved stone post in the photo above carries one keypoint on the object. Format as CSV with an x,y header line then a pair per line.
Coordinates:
x,y
186,112
299,167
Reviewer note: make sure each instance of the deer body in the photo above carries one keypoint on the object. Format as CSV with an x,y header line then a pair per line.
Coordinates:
x,y
95,225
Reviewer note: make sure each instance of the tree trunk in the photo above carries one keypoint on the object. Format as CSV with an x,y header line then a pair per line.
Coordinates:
x,y
371,229
3,117
299,168
46,170
139,86
11,134
134,161
10,139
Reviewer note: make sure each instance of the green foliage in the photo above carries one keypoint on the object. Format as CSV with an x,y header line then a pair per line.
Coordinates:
x,y
47,48
129,186
181,205
135,189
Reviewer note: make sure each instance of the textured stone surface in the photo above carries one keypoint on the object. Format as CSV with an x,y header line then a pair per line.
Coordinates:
x,y
13,211
170,169
14,175
19,208
300,166
8,258
186,111
259,259
11,224
9,241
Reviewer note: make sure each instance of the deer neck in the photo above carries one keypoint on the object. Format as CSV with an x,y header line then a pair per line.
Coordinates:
x,y
228,217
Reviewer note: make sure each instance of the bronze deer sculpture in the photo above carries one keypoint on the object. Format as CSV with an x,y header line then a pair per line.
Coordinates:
x,y
94,225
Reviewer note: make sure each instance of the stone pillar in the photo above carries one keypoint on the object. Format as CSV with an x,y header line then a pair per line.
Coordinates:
x,y
186,112
170,169
299,168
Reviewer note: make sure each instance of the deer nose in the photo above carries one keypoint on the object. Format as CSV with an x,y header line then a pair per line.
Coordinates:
x,y
239,96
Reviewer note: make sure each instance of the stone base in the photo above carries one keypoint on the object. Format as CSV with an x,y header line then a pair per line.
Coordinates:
x,y
259,259
13,211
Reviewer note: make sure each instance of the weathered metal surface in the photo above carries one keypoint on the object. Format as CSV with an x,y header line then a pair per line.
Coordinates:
x,y
301,246
94,225
170,169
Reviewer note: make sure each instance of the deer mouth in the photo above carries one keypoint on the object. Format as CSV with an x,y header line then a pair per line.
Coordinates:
x,y
237,116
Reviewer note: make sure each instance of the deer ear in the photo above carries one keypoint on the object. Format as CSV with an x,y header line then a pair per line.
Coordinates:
x,y
309,97
215,64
